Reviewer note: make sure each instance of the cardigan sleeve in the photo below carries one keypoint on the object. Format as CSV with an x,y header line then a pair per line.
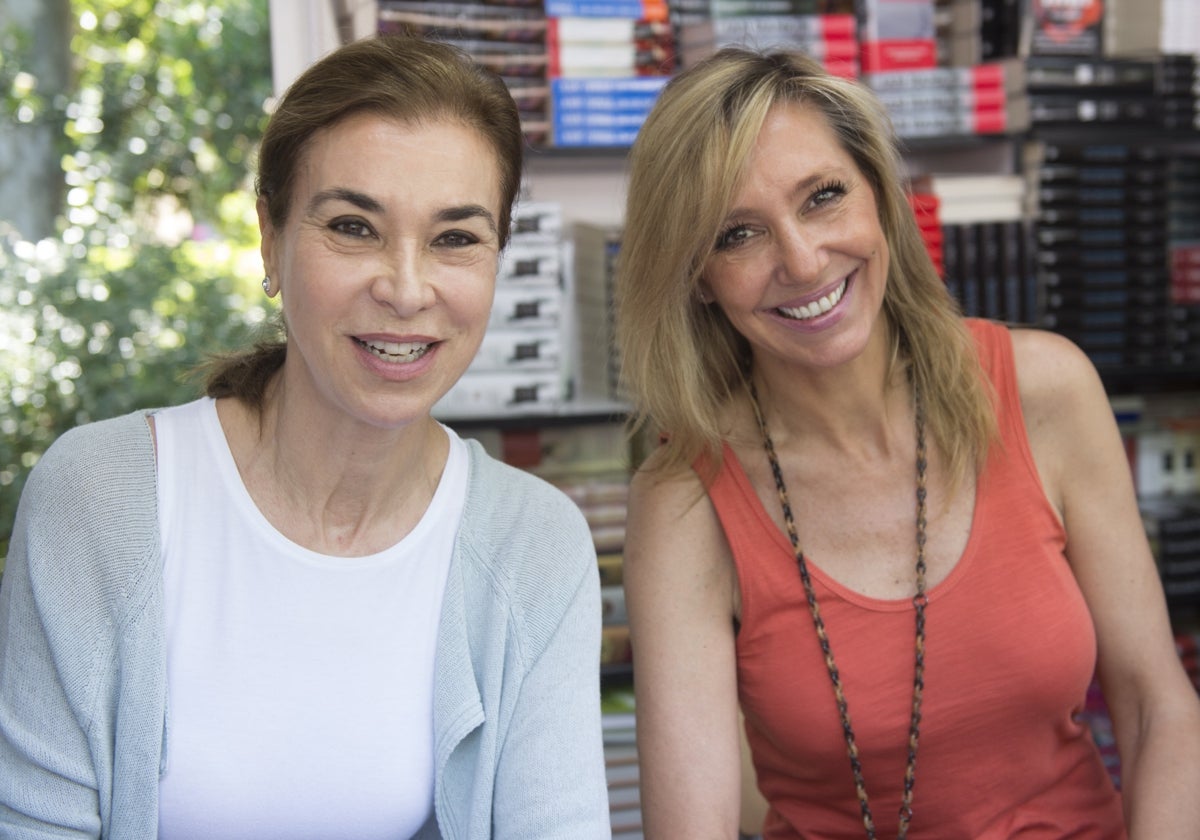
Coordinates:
x,y
550,782
79,577
518,711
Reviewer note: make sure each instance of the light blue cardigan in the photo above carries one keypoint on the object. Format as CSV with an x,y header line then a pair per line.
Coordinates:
x,y
84,727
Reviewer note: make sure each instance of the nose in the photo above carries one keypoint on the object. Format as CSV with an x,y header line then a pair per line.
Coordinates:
x,y
799,255
404,281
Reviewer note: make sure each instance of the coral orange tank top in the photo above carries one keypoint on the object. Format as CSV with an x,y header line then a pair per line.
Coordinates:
x,y
1009,656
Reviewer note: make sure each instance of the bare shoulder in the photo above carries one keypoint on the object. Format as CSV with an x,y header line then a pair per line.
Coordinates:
x,y
1068,418
673,531
663,492
1056,379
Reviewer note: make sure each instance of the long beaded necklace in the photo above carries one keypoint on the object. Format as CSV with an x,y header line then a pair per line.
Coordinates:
x,y
919,601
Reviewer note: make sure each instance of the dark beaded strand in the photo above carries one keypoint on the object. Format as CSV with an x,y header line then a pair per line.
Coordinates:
x,y
919,602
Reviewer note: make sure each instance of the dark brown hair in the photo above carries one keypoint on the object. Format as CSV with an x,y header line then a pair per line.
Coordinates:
x,y
399,77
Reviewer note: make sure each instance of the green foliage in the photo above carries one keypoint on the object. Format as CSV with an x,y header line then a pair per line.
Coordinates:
x,y
156,264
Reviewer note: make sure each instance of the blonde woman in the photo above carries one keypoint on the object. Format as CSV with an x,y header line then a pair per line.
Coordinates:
x,y
900,541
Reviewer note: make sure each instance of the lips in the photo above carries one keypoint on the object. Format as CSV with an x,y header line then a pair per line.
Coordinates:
x,y
398,352
817,307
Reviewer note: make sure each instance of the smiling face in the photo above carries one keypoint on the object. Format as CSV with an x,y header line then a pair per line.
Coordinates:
x,y
386,265
800,265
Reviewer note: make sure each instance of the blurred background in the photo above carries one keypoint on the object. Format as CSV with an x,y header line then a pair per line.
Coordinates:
x,y
128,240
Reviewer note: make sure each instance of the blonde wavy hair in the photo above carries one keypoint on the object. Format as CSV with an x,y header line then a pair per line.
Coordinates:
x,y
682,362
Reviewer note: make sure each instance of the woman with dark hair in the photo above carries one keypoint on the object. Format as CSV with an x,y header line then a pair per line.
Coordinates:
x,y
899,541
300,606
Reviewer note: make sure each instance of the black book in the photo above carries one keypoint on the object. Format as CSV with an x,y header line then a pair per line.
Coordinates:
x,y
1064,73
1055,108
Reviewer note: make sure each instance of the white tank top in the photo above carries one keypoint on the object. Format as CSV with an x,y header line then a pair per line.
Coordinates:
x,y
300,686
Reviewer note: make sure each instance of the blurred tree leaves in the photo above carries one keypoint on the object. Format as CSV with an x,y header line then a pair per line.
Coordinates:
x,y
155,264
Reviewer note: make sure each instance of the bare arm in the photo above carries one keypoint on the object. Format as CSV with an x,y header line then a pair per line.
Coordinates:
x,y
679,584
1155,709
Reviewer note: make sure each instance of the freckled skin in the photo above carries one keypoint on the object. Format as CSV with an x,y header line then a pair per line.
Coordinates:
x,y
802,221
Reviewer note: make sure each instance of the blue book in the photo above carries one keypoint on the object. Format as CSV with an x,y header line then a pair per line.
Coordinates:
x,y
649,86
593,137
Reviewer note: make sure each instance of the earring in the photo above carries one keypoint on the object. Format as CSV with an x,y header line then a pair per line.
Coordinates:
x,y
266,284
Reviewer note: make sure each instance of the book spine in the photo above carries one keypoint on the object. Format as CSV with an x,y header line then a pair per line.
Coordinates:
x,y
569,121
652,10
945,97
593,138
898,54
649,86
793,27
1006,75
610,104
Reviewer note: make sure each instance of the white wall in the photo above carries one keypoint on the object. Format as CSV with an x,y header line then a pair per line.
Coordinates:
x,y
301,32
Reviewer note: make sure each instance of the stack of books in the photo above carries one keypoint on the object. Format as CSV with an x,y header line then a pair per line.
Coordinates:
x,y
832,39
601,492
621,762
601,112
607,61
1102,251
977,31
1179,91
955,101
976,197
655,10
597,371
582,47
685,12
1183,236
897,35
1173,526
508,38
1185,274
924,205
986,244
975,230
616,653
522,366
589,461
1070,91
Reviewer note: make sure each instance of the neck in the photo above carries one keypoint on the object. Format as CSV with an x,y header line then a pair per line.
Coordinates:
x,y
858,407
331,483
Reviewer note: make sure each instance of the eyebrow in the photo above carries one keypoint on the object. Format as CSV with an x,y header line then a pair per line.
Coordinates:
x,y
800,187
368,204
467,211
360,200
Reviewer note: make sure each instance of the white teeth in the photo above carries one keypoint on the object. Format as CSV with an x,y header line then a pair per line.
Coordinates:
x,y
817,307
396,351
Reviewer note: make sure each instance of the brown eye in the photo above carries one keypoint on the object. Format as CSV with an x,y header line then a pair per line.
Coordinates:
x,y
351,227
457,239
733,237
828,193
